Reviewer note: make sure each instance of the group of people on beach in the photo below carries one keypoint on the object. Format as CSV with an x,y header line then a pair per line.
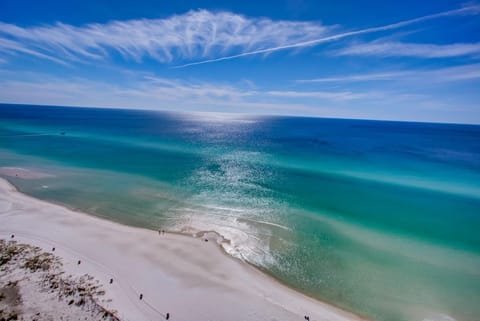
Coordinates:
x,y
167,315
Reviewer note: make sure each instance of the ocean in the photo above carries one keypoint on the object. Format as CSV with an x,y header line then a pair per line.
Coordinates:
x,y
380,218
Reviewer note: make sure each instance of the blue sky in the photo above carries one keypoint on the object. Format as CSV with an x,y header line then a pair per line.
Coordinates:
x,y
399,60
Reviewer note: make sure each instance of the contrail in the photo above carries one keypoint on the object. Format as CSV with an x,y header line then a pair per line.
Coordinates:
x,y
474,9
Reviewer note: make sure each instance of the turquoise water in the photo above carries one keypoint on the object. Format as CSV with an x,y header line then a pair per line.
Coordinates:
x,y
380,218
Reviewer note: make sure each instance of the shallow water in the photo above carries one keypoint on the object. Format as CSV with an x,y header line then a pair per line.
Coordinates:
x,y
380,218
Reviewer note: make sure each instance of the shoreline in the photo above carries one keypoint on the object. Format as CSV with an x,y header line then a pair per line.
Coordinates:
x,y
180,274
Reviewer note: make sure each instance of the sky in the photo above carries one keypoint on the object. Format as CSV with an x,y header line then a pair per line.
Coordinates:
x,y
395,60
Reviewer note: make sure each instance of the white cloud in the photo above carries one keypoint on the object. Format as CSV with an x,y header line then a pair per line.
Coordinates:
x,y
467,10
195,34
357,77
419,50
148,93
179,95
446,74
467,72
201,34
9,46
334,96
163,93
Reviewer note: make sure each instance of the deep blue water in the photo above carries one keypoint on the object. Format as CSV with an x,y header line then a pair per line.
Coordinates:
x,y
378,217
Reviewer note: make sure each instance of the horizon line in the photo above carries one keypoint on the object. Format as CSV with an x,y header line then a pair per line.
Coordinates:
x,y
245,114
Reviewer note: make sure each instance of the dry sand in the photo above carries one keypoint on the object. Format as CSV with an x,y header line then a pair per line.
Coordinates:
x,y
185,276
34,287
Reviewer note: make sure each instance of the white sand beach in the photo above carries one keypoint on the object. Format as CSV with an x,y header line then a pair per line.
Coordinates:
x,y
185,276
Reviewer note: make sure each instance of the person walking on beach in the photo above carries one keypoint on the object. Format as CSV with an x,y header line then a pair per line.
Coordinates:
x,y
167,316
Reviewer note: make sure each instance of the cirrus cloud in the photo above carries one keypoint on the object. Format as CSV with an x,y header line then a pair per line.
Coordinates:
x,y
432,76
202,36
419,50
195,34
